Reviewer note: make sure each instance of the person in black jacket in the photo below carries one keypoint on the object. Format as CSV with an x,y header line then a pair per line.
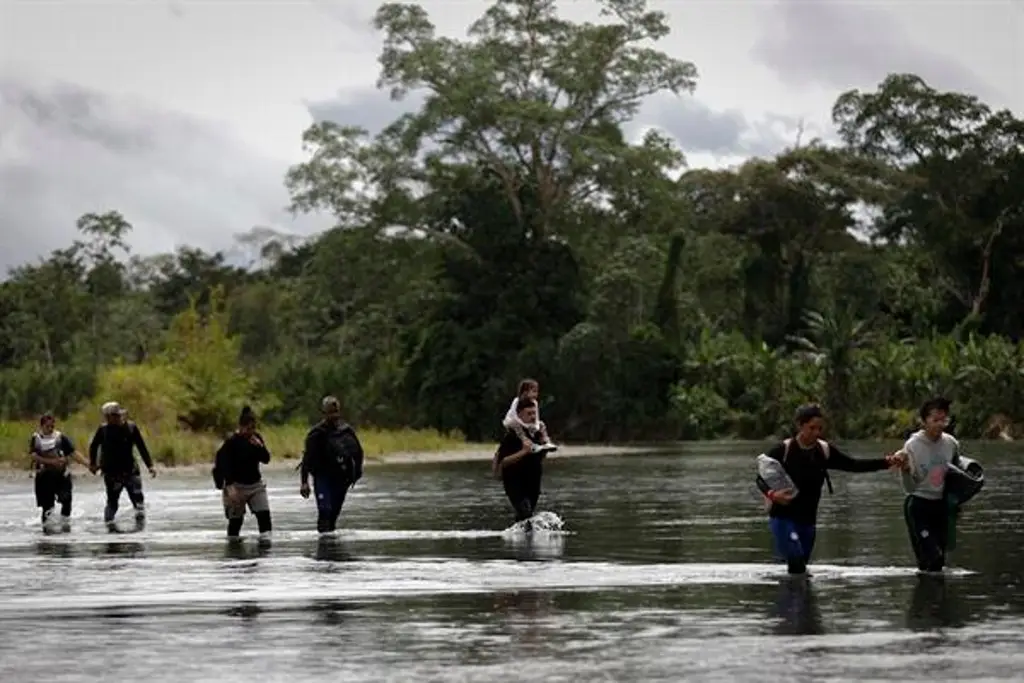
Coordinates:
x,y
334,457
807,458
519,461
112,451
236,471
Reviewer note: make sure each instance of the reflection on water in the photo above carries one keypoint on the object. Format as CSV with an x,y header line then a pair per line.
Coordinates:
x,y
935,604
797,608
247,549
248,611
662,572
331,548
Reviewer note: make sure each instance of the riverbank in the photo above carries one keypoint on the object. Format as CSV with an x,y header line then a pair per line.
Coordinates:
x,y
466,453
172,448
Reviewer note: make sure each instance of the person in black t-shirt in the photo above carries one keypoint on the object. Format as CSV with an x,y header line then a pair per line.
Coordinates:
x,y
807,458
236,471
518,462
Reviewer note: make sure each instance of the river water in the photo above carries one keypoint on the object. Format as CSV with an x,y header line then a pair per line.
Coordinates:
x,y
661,573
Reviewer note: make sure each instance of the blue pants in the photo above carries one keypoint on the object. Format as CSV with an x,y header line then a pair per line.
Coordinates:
x,y
793,542
330,497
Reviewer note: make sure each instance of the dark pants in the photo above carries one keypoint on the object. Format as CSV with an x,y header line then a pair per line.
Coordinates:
x,y
793,542
523,493
928,526
330,495
53,486
129,483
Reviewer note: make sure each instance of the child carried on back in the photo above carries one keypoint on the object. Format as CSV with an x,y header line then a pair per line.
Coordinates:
x,y
528,388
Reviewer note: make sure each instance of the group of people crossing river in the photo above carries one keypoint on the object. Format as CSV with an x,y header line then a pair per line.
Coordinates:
x,y
936,477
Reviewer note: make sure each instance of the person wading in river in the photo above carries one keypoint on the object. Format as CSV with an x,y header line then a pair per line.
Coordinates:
x,y
519,463
236,471
807,459
929,453
334,458
51,452
112,451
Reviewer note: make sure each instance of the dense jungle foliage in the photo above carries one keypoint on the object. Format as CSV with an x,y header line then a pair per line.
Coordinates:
x,y
508,228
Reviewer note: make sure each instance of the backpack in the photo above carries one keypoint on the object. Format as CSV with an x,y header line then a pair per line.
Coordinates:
x,y
823,445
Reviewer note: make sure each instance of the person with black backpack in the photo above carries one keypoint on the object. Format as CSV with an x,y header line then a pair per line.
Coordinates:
x,y
334,458
807,458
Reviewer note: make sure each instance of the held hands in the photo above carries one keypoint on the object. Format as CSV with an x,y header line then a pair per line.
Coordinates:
x,y
898,460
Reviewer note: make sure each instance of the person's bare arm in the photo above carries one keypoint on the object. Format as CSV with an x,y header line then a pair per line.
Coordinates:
x,y
80,459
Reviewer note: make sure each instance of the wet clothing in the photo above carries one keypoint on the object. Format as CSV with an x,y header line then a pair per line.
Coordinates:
x,y
926,511
53,487
330,497
237,465
251,496
52,483
128,483
793,542
928,527
793,526
112,449
521,480
334,458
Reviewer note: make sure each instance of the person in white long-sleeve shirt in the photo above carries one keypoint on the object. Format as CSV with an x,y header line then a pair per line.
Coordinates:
x,y
528,388
929,453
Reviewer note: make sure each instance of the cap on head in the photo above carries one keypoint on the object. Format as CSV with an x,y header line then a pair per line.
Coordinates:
x,y
110,408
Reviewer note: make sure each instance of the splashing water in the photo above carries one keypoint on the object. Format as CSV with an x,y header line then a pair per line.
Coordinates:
x,y
546,521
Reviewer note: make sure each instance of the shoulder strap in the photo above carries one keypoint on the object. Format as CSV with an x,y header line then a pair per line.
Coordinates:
x,y
786,443
824,447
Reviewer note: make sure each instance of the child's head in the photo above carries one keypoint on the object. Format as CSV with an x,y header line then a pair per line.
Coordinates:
x,y
529,388
527,411
934,415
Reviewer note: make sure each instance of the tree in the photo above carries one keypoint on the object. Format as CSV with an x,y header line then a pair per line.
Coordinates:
x,y
955,192
534,99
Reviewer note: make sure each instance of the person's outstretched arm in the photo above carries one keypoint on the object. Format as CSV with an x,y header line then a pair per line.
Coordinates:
x,y
837,460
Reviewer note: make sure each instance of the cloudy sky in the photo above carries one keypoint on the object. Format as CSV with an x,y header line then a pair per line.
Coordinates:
x,y
185,115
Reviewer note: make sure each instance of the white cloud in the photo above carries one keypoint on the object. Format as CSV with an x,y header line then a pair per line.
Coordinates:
x,y
185,115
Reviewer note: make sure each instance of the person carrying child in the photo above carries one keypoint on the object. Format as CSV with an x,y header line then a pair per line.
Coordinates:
x,y
528,389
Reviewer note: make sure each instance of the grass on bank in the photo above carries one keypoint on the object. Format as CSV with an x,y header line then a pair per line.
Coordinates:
x,y
173,447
